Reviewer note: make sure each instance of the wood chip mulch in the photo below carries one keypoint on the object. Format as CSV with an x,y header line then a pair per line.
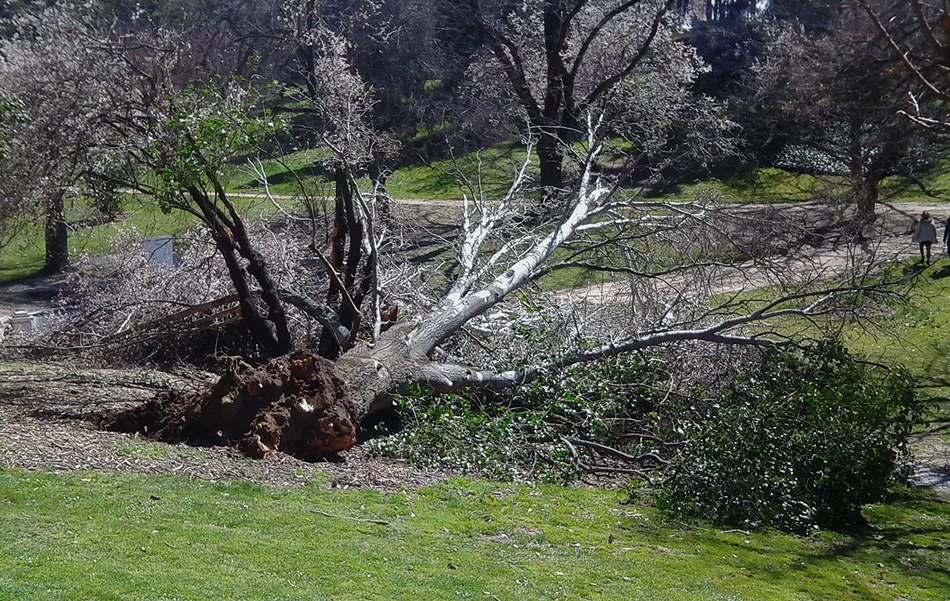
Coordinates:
x,y
40,429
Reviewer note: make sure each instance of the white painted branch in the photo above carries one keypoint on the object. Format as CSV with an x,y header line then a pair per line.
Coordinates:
x,y
474,238
371,244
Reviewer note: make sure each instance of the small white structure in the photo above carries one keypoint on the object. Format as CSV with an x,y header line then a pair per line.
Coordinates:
x,y
26,321
159,249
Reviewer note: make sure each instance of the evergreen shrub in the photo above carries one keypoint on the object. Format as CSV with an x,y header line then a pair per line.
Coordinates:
x,y
800,442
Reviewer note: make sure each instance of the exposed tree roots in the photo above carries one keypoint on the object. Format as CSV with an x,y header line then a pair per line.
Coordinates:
x,y
296,404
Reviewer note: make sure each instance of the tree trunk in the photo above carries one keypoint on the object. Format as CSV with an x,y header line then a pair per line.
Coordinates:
x,y
551,158
377,175
343,263
864,189
866,192
231,239
280,338
57,239
256,323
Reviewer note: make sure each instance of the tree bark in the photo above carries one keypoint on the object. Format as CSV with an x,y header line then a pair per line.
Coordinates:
x,y
551,158
347,229
57,239
864,187
271,333
866,193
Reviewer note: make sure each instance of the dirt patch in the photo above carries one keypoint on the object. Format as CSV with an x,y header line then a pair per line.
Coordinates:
x,y
294,404
43,427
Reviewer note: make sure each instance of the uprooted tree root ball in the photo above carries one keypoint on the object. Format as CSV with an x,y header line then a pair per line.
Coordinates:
x,y
295,404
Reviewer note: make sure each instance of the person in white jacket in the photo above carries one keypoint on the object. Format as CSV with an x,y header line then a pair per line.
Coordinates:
x,y
925,233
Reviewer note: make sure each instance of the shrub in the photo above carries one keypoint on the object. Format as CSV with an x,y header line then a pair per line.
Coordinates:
x,y
801,441
520,434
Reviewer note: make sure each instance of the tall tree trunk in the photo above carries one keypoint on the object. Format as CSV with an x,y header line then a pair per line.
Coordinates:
x,y
57,239
866,193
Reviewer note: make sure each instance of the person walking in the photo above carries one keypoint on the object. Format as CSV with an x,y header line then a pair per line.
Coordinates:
x,y
946,235
925,234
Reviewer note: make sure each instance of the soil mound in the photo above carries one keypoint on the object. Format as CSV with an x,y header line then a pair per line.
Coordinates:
x,y
296,404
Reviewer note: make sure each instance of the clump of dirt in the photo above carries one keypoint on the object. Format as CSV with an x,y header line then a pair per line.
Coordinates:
x,y
295,404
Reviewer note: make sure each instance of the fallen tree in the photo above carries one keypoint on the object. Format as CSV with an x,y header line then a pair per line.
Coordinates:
x,y
269,408
665,262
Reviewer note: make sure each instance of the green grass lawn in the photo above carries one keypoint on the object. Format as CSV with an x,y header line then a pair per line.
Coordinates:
x,y
26,254
770,184
917,336
491,169
104,536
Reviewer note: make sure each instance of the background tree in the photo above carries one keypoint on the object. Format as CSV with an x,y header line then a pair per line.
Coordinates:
x,y
402,50
918,35
54,67
827,102
557,59
12,115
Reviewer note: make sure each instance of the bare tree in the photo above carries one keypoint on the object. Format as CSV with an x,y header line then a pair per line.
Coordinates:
x,y
671,266
341,106
916,32
557,59
55,68
828,101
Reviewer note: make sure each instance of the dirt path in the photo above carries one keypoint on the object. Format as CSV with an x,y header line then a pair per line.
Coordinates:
x,y
29,295
889,239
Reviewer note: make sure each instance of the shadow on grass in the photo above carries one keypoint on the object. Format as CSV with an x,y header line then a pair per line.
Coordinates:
x,y
909,534
942,273
20,274
305,174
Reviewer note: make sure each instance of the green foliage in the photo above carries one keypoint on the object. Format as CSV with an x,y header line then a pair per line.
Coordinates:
x,y
521,434
203,130
801,441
